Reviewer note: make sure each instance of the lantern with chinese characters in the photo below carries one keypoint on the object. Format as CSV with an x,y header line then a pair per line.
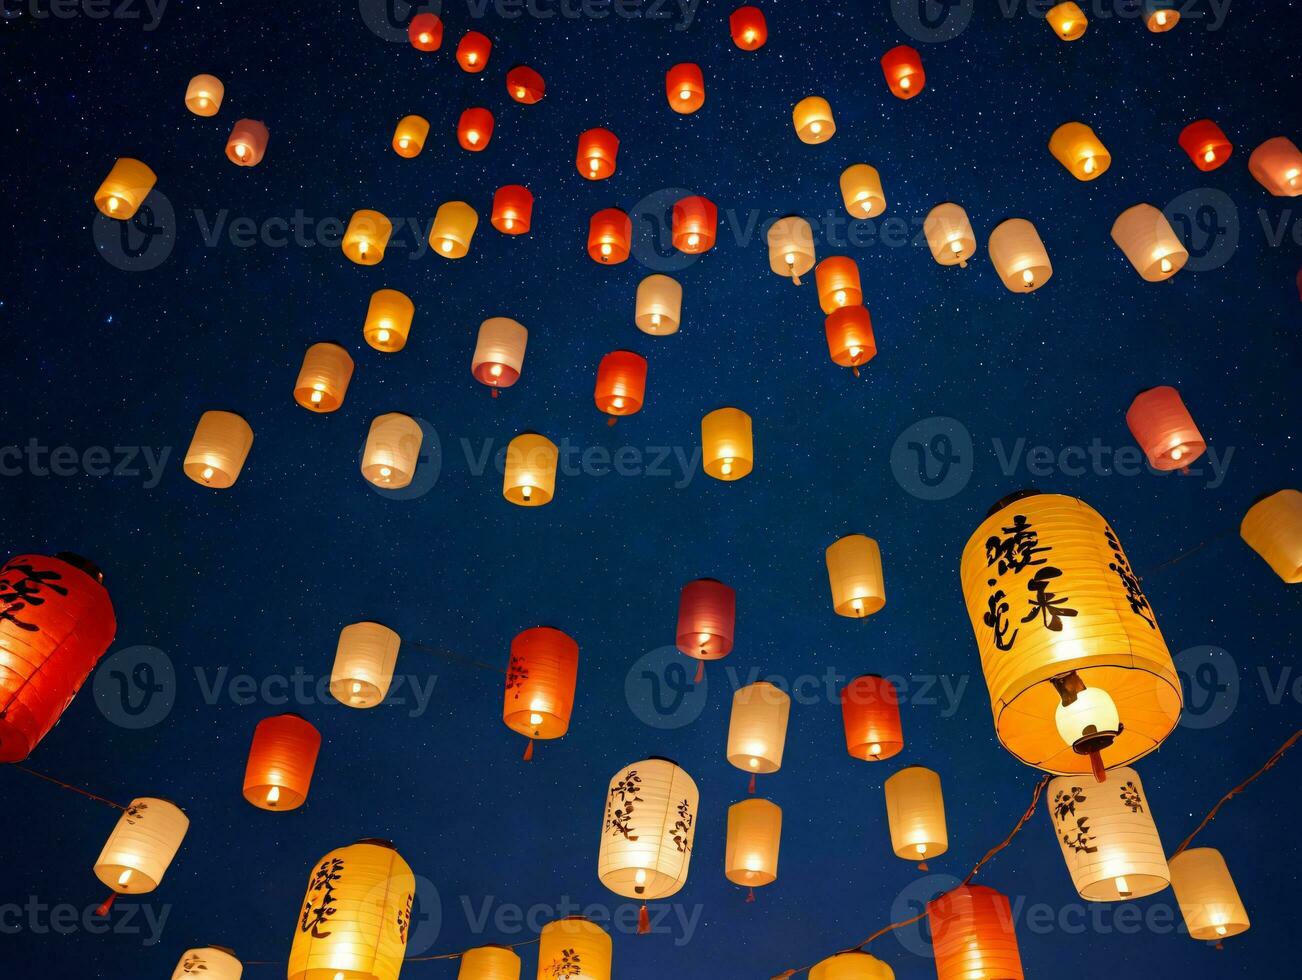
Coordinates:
x,y
727,444
707,621
598,149
695,225
56,622
748,28
659,306
499,352
391,451
323,378
949,235
850,339
454,226
1164,429
854,570
1160,15
475,129
1019,256
813,120
915,811
870,713
972,934
902,67
1079,675
1068,21
1273,529
209,963
409,136
573,948
791,247
861,191
472,52
757,728
525,85
425,32
1209,902
685,88
838,284
1148,241
530,478
851,966
621,384
754,837
366,237
1277,166
489,963
248,143
610,235
281,760
388,320
540,683
218,449
512,209
124,189
203,96
364,662
356,915
1075,146
1206,143
141,848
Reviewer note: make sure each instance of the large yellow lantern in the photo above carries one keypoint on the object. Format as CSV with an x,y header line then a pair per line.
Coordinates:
x,y
861,191
203,96
124,189
392,450
1149,242
757,728
356,915
728,446
1079,675
851,966
1273,529
1019,256
659,306
530,477
949,235
489,963
1075,146
813,120
218,449
915,810
454,226
854,570
208,962
1209,902
323,378
366,237
388,320
791,247
573,948
754,837
364,662
141,848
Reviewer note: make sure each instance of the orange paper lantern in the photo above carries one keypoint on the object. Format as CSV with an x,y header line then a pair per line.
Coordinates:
x,y
837,279
475,129
281,761
610,234
540,681
695,225
685,88
621,383
902,67
1164,429
247,144
425,32
972,935
512,209
323,378
525,85
850,337
870,712
409,136
1277,166
748,27
472,52
1206,143
124,189
598,149
1068,21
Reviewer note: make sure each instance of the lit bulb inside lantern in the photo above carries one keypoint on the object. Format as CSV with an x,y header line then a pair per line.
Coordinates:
x,y
446,245
1165,265
839,296
1161,20
425,38
685,94
875,749
317,395
655,319
750,37
906,82
535,719
357,687
1028,277
495,370
754,763
703,639
509,221
241,150
605,248
617,403
382,336
956,247
1293,175
1067,25
1177,452
726,469
471,58
1209,156
639,879
273,795
472,137
1221,930
594,164
124,877
385,472
113,203
791,258
857,605
519,93
854,356
1123,886
1090,165
362,248
203,102
1090,723
207,473
816,128
920,848
693,240
404,142
526,492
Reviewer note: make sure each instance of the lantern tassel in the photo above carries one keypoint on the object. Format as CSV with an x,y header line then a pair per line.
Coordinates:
x,y
107,904
750,896
1220,945
496,392
751,787
612,420
922,866
1096,763
796,279
700,671
643,921
528,751
855,369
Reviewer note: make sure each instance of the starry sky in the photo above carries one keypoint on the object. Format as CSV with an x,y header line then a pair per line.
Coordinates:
x,y
256,581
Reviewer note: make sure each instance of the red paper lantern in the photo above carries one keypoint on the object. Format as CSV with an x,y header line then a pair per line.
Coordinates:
x,y
56,621
425,32
850,338
525,85
870,712
695,225
707,621
248,143
475,129
610,236
685,88
540,682
902,67
1164,429
972,935
472,52
748,28
621,383
512,209
281,760
597,151
1206,143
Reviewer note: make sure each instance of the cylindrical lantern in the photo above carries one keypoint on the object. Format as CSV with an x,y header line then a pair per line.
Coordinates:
x,y
512,209
281,761
57,623
1277,166
727,444
364,662
1206,143
1273,529
851,966
391,451
1160,15
475,129
949,235
356,915
218,449
473,51
323,378
573,948
854,570
540,683
861,190
409,136
1068,21
525,85
685,88
813,120
530,478
791,247
1149,242
748,28
499,352
1080,678
208,963
902,67
142,845
610,236
124,189
621,383
454,226
838,283
489,963
1019,256
757,727
870,714
972,934
695,225
659,306
648,830
915,810
366,237
1077,148
1208,900
598,149
248,143
203,96
850,339
1108,837
707,621
754,838
1164,429
388,320
425,32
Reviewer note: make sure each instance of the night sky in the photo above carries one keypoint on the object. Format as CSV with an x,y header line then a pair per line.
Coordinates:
x,y
256,581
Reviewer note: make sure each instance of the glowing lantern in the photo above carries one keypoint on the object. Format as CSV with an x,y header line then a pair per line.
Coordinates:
x,y
388,320
124,189
248,143
425,32
949,235
530,479
499,352
621,384
472,52
1019,256
475,129
870,713
323,378
854,569
1077,148
203,96
1277,166
837,279
1208,900
573,948
1273,529
748,27
366,237
813,120
915,811
972,934
728,444
218,449
409,136
281,761
695,225
757,728
209,963
707,621
598,149
1149,242
141,848
1164,429
540,683
56,622
1068,21
902,67
391,451
659,306
525,85
355,916
364,662
1206,143
1160,15
861,190
850,339
851,966
754,837
454,226
610,234
512,209
791,248
685,88
489,963
1080,678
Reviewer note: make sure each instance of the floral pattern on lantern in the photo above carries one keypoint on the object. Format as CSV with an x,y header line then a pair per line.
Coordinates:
x,y
141,847
208,963
573,948
648,830
540,682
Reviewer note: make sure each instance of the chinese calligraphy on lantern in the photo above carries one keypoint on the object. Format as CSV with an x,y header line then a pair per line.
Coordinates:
x,y
1008,554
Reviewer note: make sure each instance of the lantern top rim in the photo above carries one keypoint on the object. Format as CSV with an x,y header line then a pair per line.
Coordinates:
x,y
377,842
1012,498
82,565
1268,494
661,758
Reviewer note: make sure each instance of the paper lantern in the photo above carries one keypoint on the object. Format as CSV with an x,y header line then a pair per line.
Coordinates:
x,y
248,143
1107,836
356,915
391,451
141,847
203,96
499,352
972,934
851,966
1206,143
454,226
281,761
854,570
525,85
1209,902
573,948
685,88
209,963
1077,148
659,306
124,189
870,714
475,129
388,320
757,728
1068,21
902,67
540,682
754,837
915,810
1019,256
1277,166
791,248
1149,242
813,120
323,378
218,449
1164,429
621,384
366,237
425,32
861,190
850,339
472,52
838,283
695,225
530,478
707,621
949,235
56,622
1273,529
748,27
1160,15
512,209
598,149
409,136
610,234
727,444
489,963
1079,675
364,662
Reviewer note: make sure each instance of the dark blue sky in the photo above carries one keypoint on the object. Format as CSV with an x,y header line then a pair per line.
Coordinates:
x,y
257,581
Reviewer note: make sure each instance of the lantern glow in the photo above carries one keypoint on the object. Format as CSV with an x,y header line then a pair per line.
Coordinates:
x,y
366,237
1164,429
540,682
512,209
972,934
695,225
323,378
748,28
247,144
648,830
1077,148
141,847
218,449
904,73
475,129
757,727
598,149
473,51
1019,256
425,32
1205,892
281,761
870,714
453,228
203,95
915,810
838,283
409,136
499,352
525,85
1068,21
727,443
610,234
392,449
754,838
1149,242
861,191
949,235
813,120
363,666
124,189
1277,166
388,320
659,305
1206,143
530,477
791,247
621,383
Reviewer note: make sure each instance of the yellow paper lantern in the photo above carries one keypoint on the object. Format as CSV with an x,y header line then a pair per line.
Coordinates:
x,y
388,320
142,846
366,237
791,248
854,570
454,226
203,96
1149,242
364,662
813,120
861,190
392,448
949,235
757,728
1068,21
218,449
1209,902
915,810
356,915
659,306
208,962
1075,146
754,837
530,477
727,444
409,136
648,830
851,966
573,948
1019,256
1273,529
489,963
323,378
124,189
